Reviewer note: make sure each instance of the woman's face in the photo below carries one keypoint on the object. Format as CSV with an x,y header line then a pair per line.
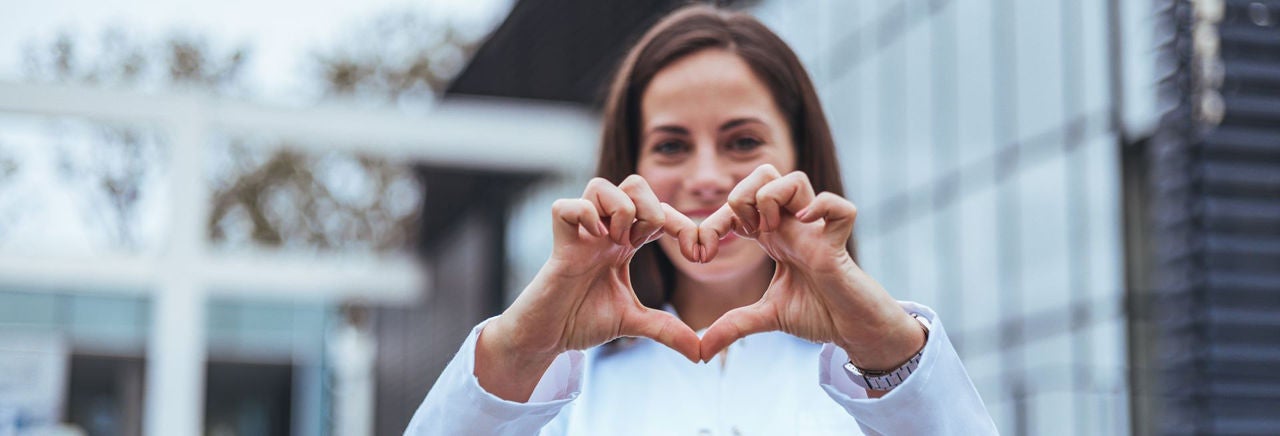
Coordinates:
x,y
706,123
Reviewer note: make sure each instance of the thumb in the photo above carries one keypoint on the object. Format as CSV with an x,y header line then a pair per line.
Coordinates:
x,y
664,328
736,324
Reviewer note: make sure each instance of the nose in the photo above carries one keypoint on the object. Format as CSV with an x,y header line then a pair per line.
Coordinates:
x,y
710,180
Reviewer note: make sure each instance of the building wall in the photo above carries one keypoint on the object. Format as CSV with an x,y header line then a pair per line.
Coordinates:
x,y
1207,196
977,139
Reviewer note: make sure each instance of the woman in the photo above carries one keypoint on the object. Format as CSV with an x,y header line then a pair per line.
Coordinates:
x,y
715,148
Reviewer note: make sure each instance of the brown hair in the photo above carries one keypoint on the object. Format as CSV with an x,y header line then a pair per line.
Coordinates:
x,y
683,32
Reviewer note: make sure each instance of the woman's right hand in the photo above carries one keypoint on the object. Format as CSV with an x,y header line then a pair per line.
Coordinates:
x,y
582,296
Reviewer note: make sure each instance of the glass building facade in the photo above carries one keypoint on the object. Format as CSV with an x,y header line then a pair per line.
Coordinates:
x,y
981,141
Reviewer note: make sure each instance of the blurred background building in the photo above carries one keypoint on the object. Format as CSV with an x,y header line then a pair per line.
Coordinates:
x,y
256,224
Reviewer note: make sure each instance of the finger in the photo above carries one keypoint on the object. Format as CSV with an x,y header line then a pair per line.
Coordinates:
x,y
791,193
736,324
570,213
611,202
649,214
743,196
716,227
664,328
838,213
681,227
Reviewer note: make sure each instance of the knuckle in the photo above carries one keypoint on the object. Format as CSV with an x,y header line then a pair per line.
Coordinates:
x,y
579,205
627,208
658,221
632,181
597,184
559,206
570,208
843,202
771,192
738,199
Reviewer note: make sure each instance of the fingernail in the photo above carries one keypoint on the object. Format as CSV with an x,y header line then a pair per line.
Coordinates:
x,y
702,254
802,213
603,230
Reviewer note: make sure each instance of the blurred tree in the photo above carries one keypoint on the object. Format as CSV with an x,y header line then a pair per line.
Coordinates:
x,y
279,197
340,201
120,159
117,59
401,57
264,192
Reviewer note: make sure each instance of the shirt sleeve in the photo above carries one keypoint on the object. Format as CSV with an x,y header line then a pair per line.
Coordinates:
x,y
458,405
937,398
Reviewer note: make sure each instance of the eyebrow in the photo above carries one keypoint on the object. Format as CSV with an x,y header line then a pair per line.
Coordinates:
x,y
669,128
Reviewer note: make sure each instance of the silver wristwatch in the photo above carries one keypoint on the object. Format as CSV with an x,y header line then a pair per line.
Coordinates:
x,y
886,380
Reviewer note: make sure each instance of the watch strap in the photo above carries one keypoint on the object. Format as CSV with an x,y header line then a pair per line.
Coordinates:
x,y
888,379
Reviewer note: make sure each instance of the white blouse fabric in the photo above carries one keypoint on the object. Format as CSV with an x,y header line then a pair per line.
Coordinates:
x,y
766,384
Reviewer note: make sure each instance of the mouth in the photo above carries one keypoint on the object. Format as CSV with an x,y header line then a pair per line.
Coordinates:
x,y
697,215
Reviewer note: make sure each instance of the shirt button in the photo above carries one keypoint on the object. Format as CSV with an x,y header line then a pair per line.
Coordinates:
x,y
736,432
704,432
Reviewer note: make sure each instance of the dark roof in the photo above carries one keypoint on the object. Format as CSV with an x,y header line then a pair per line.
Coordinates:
x,y
563,50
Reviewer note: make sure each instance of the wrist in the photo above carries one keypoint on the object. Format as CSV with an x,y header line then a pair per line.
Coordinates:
x,y
503,370
879,382
888,345
507,341
876,333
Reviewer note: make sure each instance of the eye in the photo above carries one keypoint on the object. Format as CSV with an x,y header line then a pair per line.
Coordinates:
x,y
668,148
745,144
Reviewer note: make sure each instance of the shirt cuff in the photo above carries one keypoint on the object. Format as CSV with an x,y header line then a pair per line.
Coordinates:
x,y
937,398
563,379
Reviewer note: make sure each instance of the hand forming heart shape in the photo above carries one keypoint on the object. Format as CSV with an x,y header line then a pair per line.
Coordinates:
x,y
582,297
817,292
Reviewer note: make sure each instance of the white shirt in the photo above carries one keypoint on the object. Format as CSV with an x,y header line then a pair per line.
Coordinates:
x,y
767,384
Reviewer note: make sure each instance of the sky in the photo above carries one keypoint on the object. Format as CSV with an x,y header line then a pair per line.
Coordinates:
x,y
280,32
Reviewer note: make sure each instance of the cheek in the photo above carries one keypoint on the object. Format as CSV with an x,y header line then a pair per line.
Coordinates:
x,y
664,181
784,158
785,164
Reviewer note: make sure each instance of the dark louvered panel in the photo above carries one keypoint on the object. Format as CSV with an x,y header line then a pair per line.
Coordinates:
x,y
1242,287
1219,258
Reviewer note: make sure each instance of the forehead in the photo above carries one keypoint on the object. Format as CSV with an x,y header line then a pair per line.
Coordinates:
x,y
706,87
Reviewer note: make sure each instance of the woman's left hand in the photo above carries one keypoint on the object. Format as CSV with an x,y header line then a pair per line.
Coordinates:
x,y
818,292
